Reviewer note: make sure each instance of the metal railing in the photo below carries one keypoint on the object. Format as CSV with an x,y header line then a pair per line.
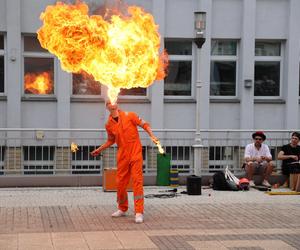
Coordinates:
x,y
221,148
47,151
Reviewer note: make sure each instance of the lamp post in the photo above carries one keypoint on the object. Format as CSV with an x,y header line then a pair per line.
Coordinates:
x,y
200,25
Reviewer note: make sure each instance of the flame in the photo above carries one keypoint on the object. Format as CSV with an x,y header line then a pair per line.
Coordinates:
x,y
38,83
74,147
160,149
120,53
113,95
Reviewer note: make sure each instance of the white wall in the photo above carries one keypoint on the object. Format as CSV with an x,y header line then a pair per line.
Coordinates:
x,y
87,115
2,15
272,19
180,18
38,114
269,116
179,116
226,21
224,116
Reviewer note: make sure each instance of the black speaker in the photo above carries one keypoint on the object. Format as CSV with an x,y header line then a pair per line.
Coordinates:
x,y
193,185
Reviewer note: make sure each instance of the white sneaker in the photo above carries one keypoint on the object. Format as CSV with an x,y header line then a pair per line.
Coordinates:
x,y
118,213
139,218
266,183
251,183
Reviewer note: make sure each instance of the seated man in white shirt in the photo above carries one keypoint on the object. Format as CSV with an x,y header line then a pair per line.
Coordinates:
x,y
258,159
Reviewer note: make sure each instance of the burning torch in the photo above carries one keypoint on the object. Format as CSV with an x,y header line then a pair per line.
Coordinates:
x,y
160,149
155,141
74,147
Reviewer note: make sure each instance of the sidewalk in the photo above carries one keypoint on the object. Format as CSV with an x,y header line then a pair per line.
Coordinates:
x,y
79,218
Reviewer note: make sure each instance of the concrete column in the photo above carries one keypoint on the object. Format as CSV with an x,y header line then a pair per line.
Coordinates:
x,y
246,65
63,91
13,67
157,89
12,163
291,82
63,160
152,158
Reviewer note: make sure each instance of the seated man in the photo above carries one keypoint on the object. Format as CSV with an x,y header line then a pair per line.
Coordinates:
x,y
289,154
258,159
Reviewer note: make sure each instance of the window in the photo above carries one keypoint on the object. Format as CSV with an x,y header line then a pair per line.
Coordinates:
x,y
84,163
223,69
1,64
133,92
179,79
84,84
38,160
2,153
181,158
267,71
38,68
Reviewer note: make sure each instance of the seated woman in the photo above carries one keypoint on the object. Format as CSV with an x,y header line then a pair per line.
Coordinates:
x,y
290,156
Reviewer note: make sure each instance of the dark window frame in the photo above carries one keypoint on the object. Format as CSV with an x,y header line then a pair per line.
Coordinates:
x,y
90,81
224,56
2,61
272,58
182,56
39,53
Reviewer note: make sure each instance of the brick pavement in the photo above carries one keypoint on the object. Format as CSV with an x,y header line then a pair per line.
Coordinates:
x,y
79,218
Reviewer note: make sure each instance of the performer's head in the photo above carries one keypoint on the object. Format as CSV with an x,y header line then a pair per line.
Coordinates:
x,y
111,107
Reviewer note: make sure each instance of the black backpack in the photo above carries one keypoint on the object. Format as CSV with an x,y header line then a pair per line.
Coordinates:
x,y
219,181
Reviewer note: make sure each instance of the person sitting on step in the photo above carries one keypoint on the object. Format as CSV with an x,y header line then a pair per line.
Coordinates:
x,y
258,159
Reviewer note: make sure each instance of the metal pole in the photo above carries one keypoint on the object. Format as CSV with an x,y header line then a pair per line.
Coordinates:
x,y
198,143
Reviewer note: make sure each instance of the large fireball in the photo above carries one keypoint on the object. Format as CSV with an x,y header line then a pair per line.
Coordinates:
x,y
122,52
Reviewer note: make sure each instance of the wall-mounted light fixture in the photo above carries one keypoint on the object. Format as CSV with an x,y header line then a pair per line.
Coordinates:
x,y
13,55
39,135
200,26
248,83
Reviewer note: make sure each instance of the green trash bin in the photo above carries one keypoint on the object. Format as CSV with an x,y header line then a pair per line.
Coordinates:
x,y
163,170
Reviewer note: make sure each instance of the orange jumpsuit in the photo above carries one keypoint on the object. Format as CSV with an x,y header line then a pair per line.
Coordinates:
x,y
125,134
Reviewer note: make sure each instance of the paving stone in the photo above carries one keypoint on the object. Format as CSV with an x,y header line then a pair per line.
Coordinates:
x,y
80,218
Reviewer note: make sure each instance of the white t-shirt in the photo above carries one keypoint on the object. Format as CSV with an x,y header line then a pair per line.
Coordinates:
x,y
251,151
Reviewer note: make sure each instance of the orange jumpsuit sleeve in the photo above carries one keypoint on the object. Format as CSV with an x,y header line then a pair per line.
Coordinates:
x,y
139,121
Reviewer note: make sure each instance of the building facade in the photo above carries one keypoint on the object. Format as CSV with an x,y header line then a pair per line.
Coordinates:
x,y
245,76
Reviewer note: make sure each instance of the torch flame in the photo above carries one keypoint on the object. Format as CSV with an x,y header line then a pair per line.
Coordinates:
x,y
160,149
74,147
38,83
120,53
